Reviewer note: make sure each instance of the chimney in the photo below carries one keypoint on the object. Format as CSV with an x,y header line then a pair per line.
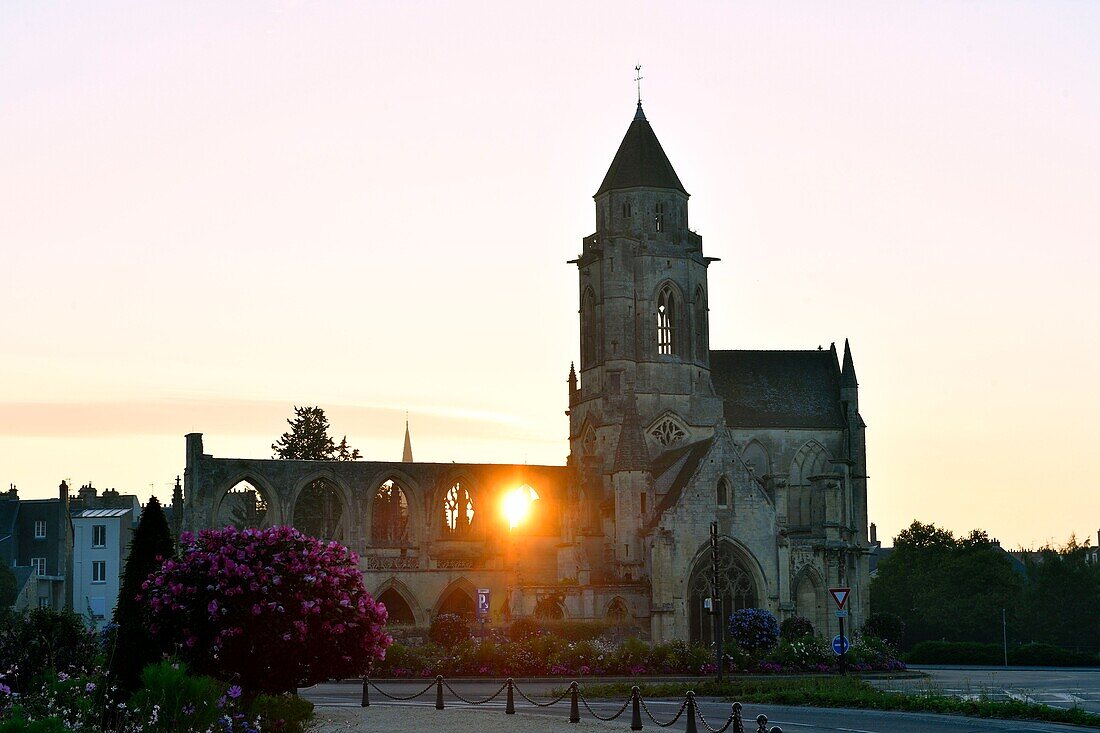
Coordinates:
x,y
874,534
63,494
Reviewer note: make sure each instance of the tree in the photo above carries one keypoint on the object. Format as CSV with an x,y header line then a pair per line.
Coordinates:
x,y
947,588
8,591
42,640
1061,602
308,439
270,609
133,646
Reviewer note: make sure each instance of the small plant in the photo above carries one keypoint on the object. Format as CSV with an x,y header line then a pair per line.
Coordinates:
x,y
522,628
282,713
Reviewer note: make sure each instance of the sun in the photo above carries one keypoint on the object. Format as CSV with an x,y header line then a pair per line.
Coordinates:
x,y
517,504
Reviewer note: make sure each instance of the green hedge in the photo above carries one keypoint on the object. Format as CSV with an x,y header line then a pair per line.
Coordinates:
x,y
966,652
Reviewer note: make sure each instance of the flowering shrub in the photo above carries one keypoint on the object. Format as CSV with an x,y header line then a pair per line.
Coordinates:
x,y
448,629
754,629
523,628
807,654
795,627
272,609
43,641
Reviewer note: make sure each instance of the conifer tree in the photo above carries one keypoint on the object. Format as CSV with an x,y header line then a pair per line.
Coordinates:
x,y
308,439
133,647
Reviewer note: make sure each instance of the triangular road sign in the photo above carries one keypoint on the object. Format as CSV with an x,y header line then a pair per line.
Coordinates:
x,y
840,596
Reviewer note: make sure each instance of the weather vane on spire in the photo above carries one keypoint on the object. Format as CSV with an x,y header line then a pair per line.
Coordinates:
x,y
638,81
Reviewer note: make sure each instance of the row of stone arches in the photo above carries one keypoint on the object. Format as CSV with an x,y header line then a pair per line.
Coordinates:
x,y
392,512
458,598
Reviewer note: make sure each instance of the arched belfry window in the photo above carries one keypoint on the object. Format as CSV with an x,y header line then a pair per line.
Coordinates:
x,y
588,330
666,320
700,325
723,492
458,510
659,216
627,212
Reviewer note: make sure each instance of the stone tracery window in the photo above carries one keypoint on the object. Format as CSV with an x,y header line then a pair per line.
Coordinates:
x,y
668,432
390,516
617,612
735,587
666,320
458,510
589,441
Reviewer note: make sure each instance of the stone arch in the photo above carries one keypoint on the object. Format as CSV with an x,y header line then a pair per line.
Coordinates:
x,y
811,460
224,509
550,608
390,512
810,601
457,597
588,328
741,585
320,505
396,590
668,430
618,611
756,457
699,324
457,508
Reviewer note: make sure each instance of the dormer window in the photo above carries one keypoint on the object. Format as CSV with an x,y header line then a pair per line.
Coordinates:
x,y
659,216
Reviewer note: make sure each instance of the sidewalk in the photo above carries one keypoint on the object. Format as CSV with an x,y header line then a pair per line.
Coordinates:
x,y
394,719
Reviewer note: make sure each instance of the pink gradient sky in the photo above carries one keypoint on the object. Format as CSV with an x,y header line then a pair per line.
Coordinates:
x,y
211,211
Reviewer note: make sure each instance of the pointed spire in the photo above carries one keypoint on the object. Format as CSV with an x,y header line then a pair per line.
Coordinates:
x,y
407,453
848,371
640,160
631,454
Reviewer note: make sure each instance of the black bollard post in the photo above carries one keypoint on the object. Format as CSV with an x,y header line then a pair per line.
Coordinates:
x,y
366,693
510,708
691,714
574,710
439,692
776,729
636,712
738,727
761,723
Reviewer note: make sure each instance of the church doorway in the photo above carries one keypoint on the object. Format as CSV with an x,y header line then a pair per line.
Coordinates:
x,y
735,587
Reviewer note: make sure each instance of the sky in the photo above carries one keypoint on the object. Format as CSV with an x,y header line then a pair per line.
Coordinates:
x,y
211,212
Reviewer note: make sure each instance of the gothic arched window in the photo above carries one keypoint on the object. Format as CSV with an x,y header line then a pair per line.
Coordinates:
x,y
659,216
458,510
588,330
666,320
243,506
319,511
723,492
700,325
390,516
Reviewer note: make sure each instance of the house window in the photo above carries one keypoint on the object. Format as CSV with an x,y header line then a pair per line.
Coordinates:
x,y
666,321
43,601
99,571
97,607
99,535
40,529
39,565
659,216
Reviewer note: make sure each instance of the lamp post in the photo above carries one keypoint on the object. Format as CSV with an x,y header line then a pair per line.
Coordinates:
x,y
716,599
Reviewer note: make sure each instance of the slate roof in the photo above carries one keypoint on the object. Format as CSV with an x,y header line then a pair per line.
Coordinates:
x,y
640,161
673,470
778,389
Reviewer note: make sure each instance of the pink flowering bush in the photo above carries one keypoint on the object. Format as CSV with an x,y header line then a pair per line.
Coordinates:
x,y
271,609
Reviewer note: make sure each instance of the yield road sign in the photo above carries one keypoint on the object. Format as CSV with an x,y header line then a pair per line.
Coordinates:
x,y
840,596
840,644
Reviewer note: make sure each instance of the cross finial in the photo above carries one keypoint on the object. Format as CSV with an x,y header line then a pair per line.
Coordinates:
x,y
638,80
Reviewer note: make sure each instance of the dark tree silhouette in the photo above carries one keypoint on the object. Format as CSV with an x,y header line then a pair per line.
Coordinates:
x,y
133,647
308,439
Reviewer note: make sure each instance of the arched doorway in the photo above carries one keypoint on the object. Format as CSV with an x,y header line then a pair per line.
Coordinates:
x,y
319,511
735,587
399,610
458,602
810,602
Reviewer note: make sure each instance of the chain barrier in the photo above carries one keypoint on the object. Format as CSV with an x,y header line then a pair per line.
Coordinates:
x,y
670,723
494,696
734,722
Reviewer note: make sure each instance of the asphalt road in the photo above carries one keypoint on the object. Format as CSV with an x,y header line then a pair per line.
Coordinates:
x,y
790,719
1058,687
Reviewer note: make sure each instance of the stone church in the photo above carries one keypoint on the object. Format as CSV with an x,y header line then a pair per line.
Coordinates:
x,y
666,437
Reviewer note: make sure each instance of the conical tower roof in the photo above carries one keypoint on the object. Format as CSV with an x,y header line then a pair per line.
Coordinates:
x,y
407,453
640,161
848,370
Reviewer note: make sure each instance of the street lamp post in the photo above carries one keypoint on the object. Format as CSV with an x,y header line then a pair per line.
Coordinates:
x,y
716,599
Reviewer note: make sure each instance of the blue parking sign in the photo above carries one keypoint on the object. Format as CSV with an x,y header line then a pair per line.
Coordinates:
x,y
483,603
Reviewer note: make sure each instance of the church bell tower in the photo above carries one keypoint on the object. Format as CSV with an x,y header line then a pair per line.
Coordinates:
x,y
643,311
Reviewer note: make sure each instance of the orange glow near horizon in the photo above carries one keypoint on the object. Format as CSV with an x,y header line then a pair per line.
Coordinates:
x,y
516,505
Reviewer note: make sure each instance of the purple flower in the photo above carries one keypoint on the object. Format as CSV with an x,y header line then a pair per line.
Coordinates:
x,y
235,691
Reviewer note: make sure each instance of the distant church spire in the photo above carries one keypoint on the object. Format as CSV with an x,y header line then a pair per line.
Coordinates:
x,y
407,453
639,114
848,370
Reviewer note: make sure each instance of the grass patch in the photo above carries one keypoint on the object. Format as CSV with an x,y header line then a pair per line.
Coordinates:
x,y
845,692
